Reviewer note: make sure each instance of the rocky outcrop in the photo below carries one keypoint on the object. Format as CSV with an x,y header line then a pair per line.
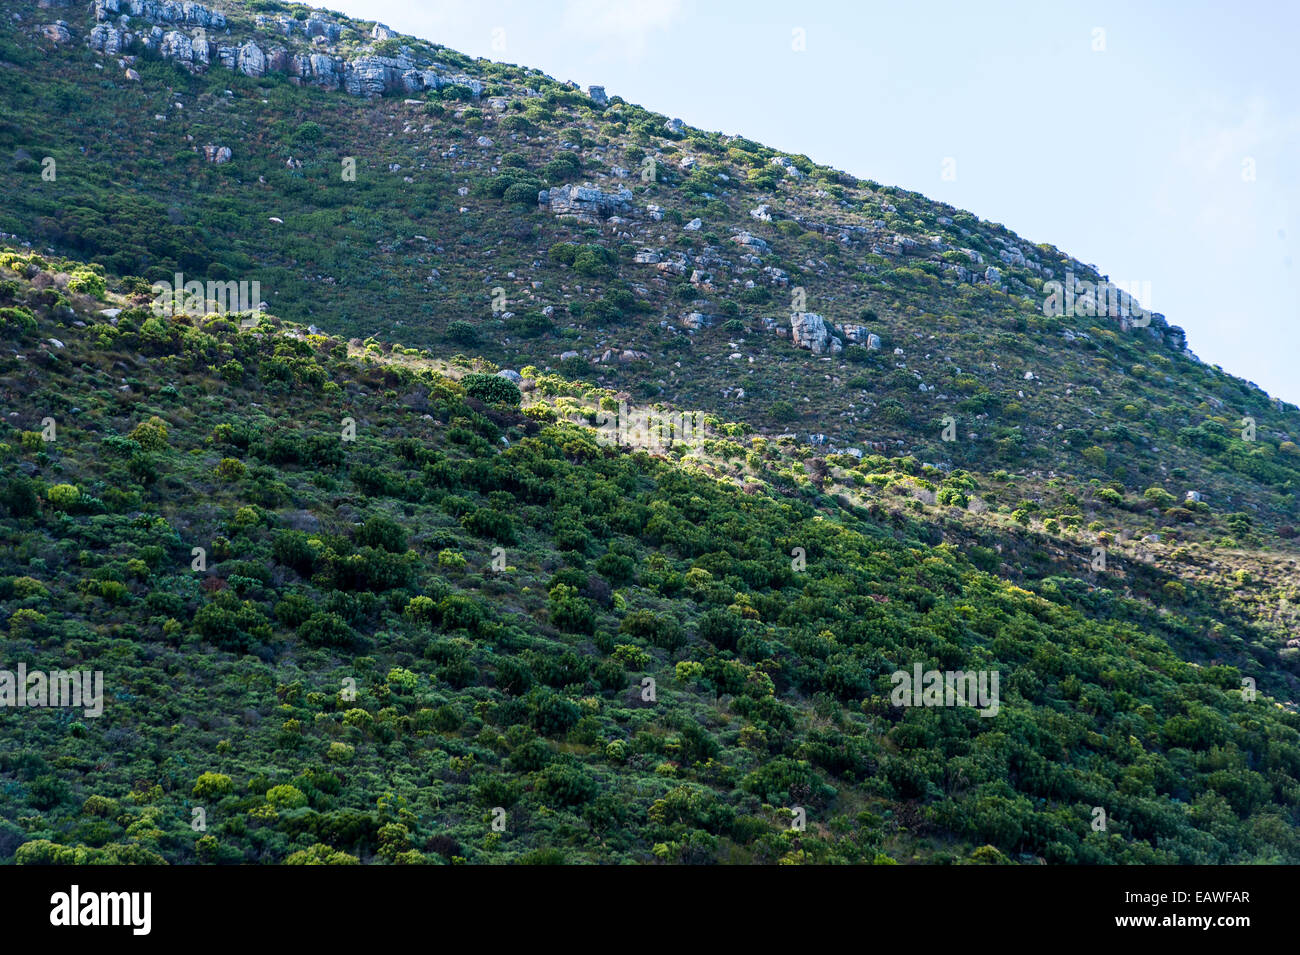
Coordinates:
x,y
597,94
808,330
586,202
372,75
161,11
788,167
106,39
855,333
250,60
752,243
311,27
56,32
365,75
177,46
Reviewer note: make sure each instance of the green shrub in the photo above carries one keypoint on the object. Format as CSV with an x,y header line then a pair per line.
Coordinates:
x,y
213,786
151,435
65,497
492,389
285,797
324,629
85,282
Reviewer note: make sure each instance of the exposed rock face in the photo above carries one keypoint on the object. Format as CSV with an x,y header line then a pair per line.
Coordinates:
x,y
106,39
56,31
808,330
250,60
432,80
381,32
216,154
855,333
695,321
597,94
161,11
586,202
312,27
177,46
320,71
751,242
373,75
367,76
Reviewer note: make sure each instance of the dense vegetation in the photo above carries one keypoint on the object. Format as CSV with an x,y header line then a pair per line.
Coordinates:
x,y
369,564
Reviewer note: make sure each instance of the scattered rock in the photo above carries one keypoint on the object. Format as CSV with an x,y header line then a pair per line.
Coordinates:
x,y
808,330
750,241
585,202
57,32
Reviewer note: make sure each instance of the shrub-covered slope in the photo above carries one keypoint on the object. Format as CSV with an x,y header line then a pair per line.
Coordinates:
x,y
478,612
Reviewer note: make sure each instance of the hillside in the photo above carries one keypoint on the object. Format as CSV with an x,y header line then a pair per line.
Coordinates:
x,y
430,591
436,238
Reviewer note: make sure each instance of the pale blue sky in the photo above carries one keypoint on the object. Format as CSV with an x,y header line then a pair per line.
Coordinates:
x,y
1137,157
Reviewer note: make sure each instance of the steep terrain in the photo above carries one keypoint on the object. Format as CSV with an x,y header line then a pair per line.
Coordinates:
x,y
429,592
